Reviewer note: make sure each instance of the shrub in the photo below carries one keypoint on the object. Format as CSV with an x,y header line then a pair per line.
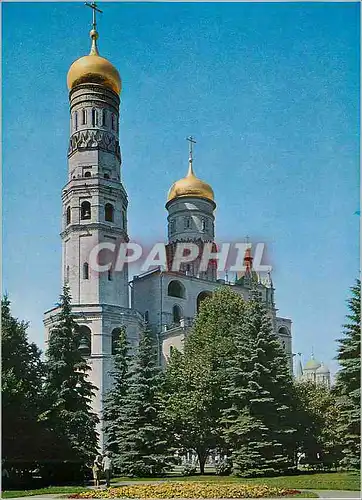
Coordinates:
x,y
189,469
224,468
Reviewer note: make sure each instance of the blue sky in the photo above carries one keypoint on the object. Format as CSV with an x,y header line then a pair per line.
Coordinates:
x,y
271,93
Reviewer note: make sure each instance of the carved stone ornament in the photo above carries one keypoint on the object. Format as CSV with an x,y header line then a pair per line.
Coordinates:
x,y
93,139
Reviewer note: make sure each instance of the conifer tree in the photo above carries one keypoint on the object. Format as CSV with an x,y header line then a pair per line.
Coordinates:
x,y
348,381
259,420
141,438
22,374
114,399
69,392
196,380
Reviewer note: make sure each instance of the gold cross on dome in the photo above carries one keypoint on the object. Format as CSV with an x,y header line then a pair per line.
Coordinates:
x,y
95,9
191,141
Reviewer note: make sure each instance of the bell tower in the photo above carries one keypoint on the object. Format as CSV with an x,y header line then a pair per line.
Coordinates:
x,y
94,214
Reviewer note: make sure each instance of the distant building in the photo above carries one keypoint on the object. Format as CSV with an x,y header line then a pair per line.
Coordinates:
x,y
314,371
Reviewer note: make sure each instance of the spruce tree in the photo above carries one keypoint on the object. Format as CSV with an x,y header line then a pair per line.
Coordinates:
x,y
348,381
114,399
259,420
141,437
69,392
22,374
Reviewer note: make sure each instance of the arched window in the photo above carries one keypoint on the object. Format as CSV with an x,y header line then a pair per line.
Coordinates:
x,y
85,345
75,120
113,122
103,117
283,331
106,176
84,117
85,210
176,289
176,314
146,316
124,219
88,174
187,223
203,224
202,296
69,215
108,212
94,118
110,275
85,271
116,333
283,344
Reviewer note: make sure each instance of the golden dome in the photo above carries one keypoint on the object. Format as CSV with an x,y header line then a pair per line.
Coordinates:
x,y
94,69
190,186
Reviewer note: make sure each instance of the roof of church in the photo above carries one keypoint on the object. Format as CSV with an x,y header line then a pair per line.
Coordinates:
x,y
312,364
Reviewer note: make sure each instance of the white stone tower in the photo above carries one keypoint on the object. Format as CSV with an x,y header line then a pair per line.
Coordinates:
x,y
190,205
95,213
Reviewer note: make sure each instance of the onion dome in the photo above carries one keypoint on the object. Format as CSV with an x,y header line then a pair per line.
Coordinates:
x,y
323,369
94,69
312,364
190,186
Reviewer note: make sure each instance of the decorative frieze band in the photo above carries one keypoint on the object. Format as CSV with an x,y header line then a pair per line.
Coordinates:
x,y
94,139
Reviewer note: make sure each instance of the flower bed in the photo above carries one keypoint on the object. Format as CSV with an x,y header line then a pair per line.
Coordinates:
x,y
188,490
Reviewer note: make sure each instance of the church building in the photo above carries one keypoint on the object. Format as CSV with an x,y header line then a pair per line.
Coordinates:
x,y
94,211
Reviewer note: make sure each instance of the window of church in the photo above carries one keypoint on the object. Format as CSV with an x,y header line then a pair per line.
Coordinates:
x,y
203,224
69,215
67,275
187,223
110,275
85,345
176,289
113,122
106,175
109,212
87,174
283,331
85,210
116,332
146,316
84,117
124,219
75,120
103,117
85,271
94,117
177,314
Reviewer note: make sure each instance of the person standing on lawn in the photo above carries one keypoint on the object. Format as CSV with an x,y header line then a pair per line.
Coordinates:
x,y
97,469
107,468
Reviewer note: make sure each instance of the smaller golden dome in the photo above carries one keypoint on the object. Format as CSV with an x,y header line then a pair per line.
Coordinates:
x,y
94,69
190,186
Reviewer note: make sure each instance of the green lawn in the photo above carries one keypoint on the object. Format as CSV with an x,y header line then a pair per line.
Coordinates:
x,y
42,491
322,481
319,481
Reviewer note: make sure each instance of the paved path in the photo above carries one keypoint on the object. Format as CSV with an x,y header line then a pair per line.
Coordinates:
x,y
337,494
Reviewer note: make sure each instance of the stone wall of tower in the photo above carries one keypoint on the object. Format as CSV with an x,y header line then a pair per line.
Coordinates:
x,y
190,219
94,199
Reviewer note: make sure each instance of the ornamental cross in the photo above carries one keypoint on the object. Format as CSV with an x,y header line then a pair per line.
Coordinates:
x,y
95,9
191,141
